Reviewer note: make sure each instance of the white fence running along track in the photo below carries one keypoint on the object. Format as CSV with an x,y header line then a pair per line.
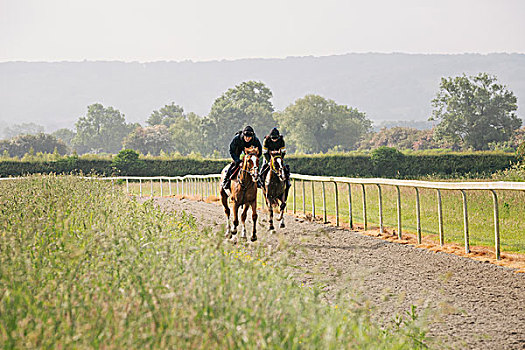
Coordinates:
x,y
208,185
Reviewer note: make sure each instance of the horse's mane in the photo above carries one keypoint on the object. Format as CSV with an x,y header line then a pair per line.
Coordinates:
x,y
251,150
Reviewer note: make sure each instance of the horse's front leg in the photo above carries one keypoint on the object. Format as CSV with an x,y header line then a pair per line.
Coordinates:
x,y
270,214
235,218
254,219
282,209
243,220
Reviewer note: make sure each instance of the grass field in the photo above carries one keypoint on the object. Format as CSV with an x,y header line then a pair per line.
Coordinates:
x,y
480,211
82,265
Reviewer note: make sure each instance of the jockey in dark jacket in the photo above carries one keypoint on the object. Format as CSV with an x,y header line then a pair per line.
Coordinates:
x,y
272,142
243,139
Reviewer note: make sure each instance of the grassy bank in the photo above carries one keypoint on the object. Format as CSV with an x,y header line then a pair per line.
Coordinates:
x,y
84,266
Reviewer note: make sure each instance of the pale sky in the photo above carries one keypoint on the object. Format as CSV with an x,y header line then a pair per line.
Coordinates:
x,y
202,30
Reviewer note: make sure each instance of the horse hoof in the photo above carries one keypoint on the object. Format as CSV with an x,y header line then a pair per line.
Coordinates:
x,y
271,228
282,225
254,238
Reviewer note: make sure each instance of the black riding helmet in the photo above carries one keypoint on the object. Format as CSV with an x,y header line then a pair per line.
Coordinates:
x,y
274,134
248,131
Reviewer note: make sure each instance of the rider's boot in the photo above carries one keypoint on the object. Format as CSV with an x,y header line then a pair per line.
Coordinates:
x,y
226,183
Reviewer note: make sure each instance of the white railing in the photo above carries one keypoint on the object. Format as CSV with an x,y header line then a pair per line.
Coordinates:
x,y
208,185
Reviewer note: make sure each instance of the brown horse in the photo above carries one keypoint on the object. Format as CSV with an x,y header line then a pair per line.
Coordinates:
x,y
275,187
243,193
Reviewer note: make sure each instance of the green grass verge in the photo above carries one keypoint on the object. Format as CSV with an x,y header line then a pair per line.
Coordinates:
x,y
480,212
84,266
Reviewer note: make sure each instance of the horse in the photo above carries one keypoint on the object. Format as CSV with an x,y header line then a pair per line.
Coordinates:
x,y
275,187
243,193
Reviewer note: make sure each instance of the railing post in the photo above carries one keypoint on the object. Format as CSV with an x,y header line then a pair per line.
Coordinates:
x,y
304,199
294,205
324,203
181,186
399,224
418,216
313,200
127,185
496,225
465,221
350,223
336,204
215,187
140,187
294,208
151,188
380,208
169,186
365,226
160,187
440,219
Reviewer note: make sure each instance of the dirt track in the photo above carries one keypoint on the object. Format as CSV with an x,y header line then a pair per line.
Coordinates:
x,y
470,304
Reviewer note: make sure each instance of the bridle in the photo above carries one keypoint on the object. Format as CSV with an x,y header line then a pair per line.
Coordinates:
x,y
253,171
274,160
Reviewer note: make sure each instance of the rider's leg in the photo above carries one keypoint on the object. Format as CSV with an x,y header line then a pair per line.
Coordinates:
x,y
287,173
262,175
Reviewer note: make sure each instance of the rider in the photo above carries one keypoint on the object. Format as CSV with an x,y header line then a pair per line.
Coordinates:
x,y
243,139
274,141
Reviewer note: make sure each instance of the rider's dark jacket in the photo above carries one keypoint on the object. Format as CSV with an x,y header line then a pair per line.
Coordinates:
x,y
270,145
238,145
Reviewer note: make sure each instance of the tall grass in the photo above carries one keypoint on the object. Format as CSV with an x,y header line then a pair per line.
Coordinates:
x,y
84,266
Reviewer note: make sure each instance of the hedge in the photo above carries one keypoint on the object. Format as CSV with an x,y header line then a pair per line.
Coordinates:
x,y
407,166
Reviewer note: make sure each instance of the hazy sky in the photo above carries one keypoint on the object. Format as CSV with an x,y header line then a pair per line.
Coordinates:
x,y
152,30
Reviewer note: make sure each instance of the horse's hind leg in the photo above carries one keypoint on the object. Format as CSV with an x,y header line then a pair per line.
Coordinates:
x,y
254,219
243,220
224,200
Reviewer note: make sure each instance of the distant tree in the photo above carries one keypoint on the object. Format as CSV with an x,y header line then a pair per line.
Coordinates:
x,y
474,111
44,143
101,130
246,104
314,124
188,135
167,115
22,129
65,135
151,139
400,138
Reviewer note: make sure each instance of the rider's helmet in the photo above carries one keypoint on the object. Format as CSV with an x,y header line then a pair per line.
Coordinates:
x,y
274,134
248,131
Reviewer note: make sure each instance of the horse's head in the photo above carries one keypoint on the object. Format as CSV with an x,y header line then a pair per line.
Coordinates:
x,y
250,164
276,164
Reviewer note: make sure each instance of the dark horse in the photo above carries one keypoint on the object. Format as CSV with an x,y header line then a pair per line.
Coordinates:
x,y
275,187
243,192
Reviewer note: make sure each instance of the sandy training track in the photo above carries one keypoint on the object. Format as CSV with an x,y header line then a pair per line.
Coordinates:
x,y
469,304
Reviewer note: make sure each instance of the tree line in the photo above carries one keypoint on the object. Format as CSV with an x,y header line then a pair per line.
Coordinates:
x,y
471,112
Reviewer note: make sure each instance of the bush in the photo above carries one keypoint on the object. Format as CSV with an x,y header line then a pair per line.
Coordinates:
x,y
387,161
127,162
